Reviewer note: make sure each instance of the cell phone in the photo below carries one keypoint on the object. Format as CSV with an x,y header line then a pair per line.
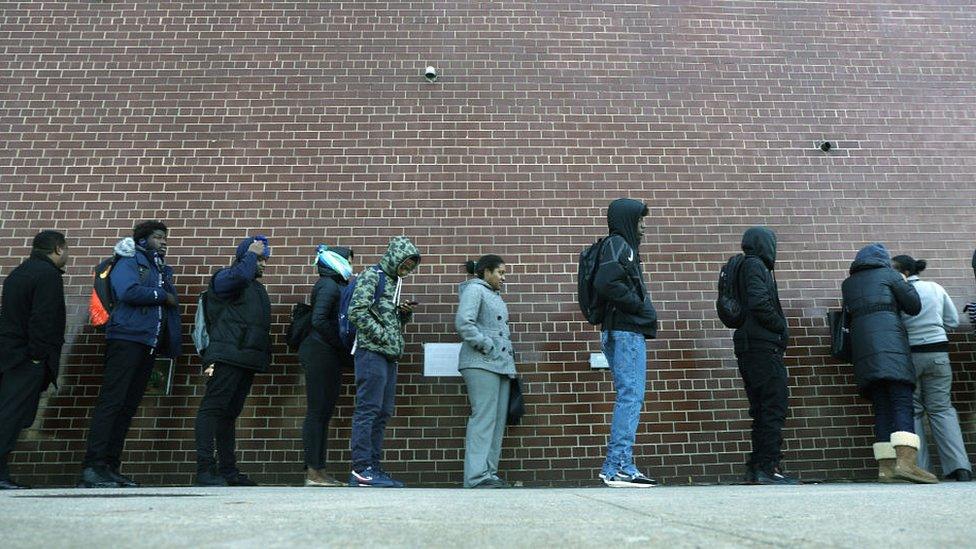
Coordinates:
x,y
412,303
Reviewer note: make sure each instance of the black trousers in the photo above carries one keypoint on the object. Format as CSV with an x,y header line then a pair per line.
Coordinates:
x,y
323,379
764,376
128,366
223,401
20,391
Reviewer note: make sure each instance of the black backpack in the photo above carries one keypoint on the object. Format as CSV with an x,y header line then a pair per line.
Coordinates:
x,y
301,324
840,334
593,308
729,303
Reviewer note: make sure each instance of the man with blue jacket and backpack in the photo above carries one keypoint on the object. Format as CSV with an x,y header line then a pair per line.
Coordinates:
x,y
144,324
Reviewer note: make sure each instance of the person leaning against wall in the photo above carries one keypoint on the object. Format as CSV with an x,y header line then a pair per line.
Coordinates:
x,y
487,364
933,372
32,321
874,296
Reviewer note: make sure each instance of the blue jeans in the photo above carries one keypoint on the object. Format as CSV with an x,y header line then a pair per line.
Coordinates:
x,y
626,353
893,408
376,378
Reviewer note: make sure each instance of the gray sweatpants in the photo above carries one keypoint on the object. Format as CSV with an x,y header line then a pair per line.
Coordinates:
x,y
933,385
488,395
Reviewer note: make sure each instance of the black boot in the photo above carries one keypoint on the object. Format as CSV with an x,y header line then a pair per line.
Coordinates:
x,y
749,477
239,479
96,477
124,481
209,478
9,484
961,475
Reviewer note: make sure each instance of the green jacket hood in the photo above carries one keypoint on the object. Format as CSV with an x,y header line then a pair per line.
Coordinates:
x,y
399,250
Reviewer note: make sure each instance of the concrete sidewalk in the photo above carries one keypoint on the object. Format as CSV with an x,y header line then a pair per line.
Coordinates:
x,y
832,515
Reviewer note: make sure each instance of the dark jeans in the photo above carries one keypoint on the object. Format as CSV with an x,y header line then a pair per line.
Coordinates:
x,y
128,366
764,376
20,391
221,404
893,408
323,378
376,378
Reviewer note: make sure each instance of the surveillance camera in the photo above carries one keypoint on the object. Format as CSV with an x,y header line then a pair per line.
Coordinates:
x,y
430,73
826,146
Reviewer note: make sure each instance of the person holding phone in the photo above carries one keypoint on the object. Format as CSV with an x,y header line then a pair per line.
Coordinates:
x,y
487,364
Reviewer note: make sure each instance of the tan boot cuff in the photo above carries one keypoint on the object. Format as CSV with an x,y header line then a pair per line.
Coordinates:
x,y
904,438
884,450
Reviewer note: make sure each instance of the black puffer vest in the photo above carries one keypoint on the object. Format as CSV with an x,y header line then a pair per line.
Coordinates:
x,y
240,329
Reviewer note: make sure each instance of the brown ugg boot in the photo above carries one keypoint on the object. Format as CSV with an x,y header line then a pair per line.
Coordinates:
x,y
906,451
884,452
318,477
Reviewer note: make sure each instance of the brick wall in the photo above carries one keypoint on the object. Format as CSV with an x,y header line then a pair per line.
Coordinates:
x,y
312,122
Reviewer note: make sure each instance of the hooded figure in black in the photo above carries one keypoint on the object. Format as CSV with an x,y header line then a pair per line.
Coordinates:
x,y
619,281
323,357
629,321
875,296
759,347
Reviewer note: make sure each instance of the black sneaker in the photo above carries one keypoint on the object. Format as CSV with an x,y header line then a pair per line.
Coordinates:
x,y
750,475
96,477
209,478
961,475
491,482
623,480
9,484
239,479
774,476
124,481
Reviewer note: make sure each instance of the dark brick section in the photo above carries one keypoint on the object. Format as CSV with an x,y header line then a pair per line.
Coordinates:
x,y
312,121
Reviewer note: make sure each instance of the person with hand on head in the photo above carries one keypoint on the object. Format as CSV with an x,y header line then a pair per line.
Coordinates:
x,y
323,358
238,313
32,321
487,364
379,321
933,371
875,296
144,324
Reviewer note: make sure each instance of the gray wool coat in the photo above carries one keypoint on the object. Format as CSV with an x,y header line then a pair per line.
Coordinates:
x,y
482,323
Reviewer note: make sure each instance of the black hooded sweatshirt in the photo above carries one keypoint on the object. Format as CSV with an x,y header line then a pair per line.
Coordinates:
x,y
765,327
619,281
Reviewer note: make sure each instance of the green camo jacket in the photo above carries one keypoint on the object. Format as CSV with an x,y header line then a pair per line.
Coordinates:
x,y
379,328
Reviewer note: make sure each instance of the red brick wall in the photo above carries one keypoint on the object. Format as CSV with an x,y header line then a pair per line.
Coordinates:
x,y
312,122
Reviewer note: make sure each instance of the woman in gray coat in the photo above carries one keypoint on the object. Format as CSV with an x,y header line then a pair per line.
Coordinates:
x,y
487,363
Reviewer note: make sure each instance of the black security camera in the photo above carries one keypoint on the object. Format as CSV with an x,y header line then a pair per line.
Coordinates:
x,y
826,146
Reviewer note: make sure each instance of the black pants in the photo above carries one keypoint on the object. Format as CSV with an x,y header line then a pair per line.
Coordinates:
x,y
222,403
893,408
20,391
323,378
764,376
128,366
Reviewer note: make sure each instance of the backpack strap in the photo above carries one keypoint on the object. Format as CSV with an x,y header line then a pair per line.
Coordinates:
x,y
380,284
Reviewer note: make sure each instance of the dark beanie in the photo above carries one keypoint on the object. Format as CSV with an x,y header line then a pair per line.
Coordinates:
x,y
246,243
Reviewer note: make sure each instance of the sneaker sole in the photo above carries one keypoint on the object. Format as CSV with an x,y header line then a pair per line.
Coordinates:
x,y
622,484
312,483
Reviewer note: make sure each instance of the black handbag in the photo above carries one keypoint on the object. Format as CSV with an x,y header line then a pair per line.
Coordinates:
x,y
516,403
840,334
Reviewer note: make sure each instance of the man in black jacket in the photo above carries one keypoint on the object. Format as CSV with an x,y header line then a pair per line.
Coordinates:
x,y
630,319
760,344
32,322
238,313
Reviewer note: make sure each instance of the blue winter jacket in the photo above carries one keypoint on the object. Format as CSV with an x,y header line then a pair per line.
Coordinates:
x,y
140,312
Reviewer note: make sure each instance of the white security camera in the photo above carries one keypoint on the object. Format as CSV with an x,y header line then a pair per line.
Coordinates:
x,y
430,73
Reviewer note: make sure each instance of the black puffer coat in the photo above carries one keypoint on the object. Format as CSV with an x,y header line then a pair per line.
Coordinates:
x,y
323,343
875,295
765,327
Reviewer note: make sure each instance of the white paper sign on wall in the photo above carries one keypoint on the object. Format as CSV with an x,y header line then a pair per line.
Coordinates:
x,y
441,359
